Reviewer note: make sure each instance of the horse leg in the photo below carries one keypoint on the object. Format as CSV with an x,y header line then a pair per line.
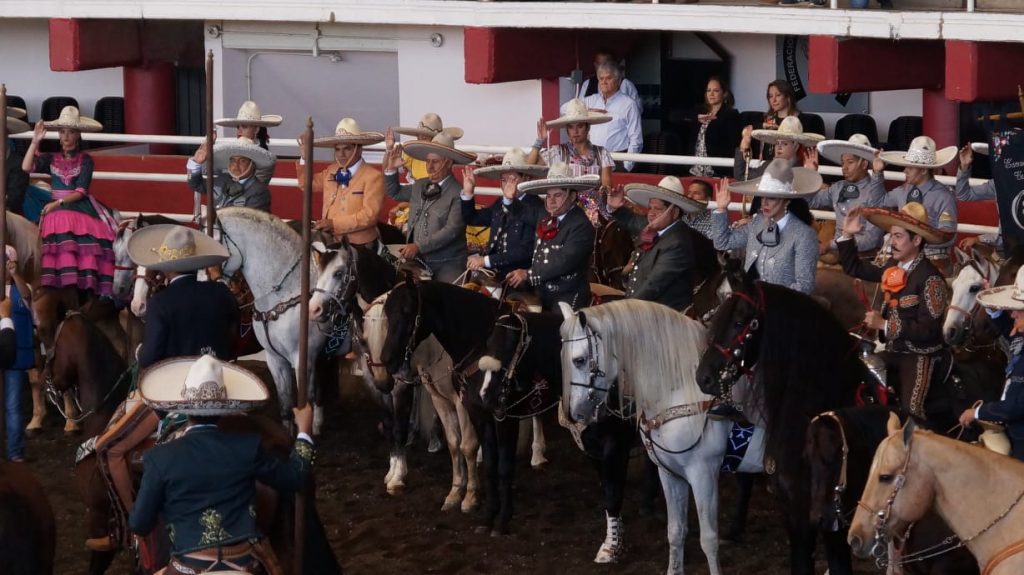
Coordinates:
x,y
838,552
93,490
745,487
70,425
38,402
537,459
614,438
284,378
401,402
802,537
704,482
677,500
450,424
649,496
507,434
470,446
486,430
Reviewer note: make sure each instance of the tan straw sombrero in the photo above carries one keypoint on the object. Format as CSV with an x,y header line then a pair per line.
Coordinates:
x,y
429,126
16,126
71,118
912,217
175,248
781,180
1009,298
858,145
560,175
513,161
240,146
669,189
19,113
576,112
201,385
789,129
249,115
443,145
347,132
922,154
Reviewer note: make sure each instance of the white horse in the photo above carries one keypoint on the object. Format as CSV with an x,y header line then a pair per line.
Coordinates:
x,y
978,273
648,354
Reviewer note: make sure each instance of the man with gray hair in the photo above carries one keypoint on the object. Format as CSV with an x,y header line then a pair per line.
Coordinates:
x,y
624,133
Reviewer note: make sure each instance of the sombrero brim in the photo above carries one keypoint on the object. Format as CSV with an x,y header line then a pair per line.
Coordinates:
x,y
20,113
268,120
419,151
885,219
160,386
641,195
1000,297
455,133
363,139
224,151
977,147
772,136
805,183
586,182
84,124
494,172
942,157
591,119
144,244
835,149
16,126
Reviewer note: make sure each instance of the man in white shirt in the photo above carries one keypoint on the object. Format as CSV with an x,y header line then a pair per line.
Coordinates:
x,y
589,86
624,133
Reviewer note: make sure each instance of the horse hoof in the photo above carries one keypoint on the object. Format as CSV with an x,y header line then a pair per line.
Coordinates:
x,y
539,464
33,432
605,556
449,505
396,490
468,506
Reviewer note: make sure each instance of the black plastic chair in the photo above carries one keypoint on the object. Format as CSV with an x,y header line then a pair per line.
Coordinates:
x,y
812,123
902,130
110,113
20,146
662,143
851,124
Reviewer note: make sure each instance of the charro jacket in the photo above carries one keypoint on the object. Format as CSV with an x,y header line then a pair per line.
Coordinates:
x,y
664,272
353,208
435,225
560,265
513,230
792,262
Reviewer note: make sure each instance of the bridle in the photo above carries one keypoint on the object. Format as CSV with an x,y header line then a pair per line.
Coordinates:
x,y
340,301
969,314
840,487
534,398
592,337
882,536
735,353
412,342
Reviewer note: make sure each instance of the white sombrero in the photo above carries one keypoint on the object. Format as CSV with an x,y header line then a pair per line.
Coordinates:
x,y
1005,297
560,176
858,145
347,132
977,147
240,146
912,216
513,161
71,118
922,154
789,129
669,189
576,112
171,247
781,180
429,126
202,386
249,115
443,145
16,126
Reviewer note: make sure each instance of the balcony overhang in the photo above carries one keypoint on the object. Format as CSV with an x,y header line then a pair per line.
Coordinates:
x,y
852,64
983,70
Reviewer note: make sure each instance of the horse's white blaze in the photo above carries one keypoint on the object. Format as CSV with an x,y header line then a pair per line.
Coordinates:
x,y
140,293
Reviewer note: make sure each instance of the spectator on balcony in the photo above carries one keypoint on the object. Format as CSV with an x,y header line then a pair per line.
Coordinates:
x,y
429,126
781,105
252,124
701,192
235,164
607,56
17,178
624,133
718,127
581,155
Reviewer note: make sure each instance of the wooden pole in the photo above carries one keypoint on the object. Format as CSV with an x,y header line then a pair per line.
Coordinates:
x,y
3,247
301,384
211,210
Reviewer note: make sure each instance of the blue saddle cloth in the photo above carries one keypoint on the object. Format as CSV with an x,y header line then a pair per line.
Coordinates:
x,y
739,440
35,199
338,340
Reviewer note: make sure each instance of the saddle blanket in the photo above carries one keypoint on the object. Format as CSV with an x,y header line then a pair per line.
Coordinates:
x,y
87,448
744,451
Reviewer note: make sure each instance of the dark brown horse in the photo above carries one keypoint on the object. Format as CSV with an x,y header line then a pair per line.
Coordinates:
x,y
612,249
28,532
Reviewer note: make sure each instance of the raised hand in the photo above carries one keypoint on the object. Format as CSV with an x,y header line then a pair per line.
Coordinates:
x,y
393,158
966,157
389,139
853,224
200,155
722,196
811,158
616,198
468,181
38,132
542,130
878,164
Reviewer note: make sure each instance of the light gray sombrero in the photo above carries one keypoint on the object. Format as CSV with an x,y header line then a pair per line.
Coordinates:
x,y
249,115
443,145
669,189
781,180
922,154
513,161
858,145
560,176
789,129
348,132
175,248
202,386
241,146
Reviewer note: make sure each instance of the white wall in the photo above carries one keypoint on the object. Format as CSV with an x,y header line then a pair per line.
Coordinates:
x,y
25,68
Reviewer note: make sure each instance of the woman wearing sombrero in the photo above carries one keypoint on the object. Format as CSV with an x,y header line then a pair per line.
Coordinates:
x,y
916,297
77,230
252,124
235,163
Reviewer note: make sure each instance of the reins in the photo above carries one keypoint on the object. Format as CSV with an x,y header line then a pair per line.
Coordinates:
x,y
840,486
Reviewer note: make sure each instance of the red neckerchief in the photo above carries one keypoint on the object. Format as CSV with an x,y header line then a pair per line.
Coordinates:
x,y
547,228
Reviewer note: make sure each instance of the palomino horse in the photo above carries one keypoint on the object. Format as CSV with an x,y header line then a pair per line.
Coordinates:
x,y
28,530
609,359
800,361
977,492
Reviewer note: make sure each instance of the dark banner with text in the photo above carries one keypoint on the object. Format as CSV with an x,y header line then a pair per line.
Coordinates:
x,y
1006,156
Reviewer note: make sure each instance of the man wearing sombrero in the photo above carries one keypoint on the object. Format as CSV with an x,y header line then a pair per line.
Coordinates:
x,y
353,190
17,178
512,219
858,188
185,318
436,233
235,184
916,297
565,241
920,162
1005,304
429,126
663,262
203,483
251,123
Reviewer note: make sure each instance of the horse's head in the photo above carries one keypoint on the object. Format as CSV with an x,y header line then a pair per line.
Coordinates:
x,y
404,312
124,268
886,508
335,284
505,347
586,366
733,341
826,452
978,274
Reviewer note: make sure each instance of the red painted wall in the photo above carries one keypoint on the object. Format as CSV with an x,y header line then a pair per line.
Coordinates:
x,y
91,44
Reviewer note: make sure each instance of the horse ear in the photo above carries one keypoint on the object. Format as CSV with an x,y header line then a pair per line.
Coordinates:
x,y
566,310
893,426
908,431
319,247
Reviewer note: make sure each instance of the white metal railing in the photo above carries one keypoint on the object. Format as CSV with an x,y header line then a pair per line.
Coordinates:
x,y
376,150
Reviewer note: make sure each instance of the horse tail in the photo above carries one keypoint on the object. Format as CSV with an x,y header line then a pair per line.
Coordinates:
x,y
17,540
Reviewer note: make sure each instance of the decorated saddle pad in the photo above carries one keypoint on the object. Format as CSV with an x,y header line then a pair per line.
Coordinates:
x,y
744,452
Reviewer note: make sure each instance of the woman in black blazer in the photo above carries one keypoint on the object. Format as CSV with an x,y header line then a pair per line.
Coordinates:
x,y
718,127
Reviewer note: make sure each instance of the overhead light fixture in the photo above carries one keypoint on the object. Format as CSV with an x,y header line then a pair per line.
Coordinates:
x,y
436,40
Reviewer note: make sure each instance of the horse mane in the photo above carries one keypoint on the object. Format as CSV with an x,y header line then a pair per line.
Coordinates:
x,y
271,223
658,350
370,266
705,257
24,236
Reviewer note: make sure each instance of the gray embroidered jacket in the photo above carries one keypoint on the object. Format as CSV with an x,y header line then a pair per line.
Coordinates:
x,y
435,225
792,263
870,193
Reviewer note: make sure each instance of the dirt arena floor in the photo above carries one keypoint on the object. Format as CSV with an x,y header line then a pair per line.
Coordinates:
x,y
557,528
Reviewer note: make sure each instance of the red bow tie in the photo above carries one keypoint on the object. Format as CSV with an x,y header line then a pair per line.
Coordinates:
x,y
647,238
547,228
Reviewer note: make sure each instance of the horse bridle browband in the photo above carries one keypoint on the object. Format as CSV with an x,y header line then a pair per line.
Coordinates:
x,y
840,486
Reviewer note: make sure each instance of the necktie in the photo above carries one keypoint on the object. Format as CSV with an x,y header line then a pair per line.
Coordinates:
x,y
769,237
547,228
343,176
648,236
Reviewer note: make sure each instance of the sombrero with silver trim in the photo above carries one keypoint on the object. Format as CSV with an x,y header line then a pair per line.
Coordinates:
x,y
443,145
977,147
781,180
175,248
240,146
201,385
347,132
513,161
16,126
858,145
429,126
922,154
1010,298
912,216
249,114
576,112
71,118
560,176
790,128
669,189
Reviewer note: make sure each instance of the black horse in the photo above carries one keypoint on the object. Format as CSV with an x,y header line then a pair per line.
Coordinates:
x,y
800,362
